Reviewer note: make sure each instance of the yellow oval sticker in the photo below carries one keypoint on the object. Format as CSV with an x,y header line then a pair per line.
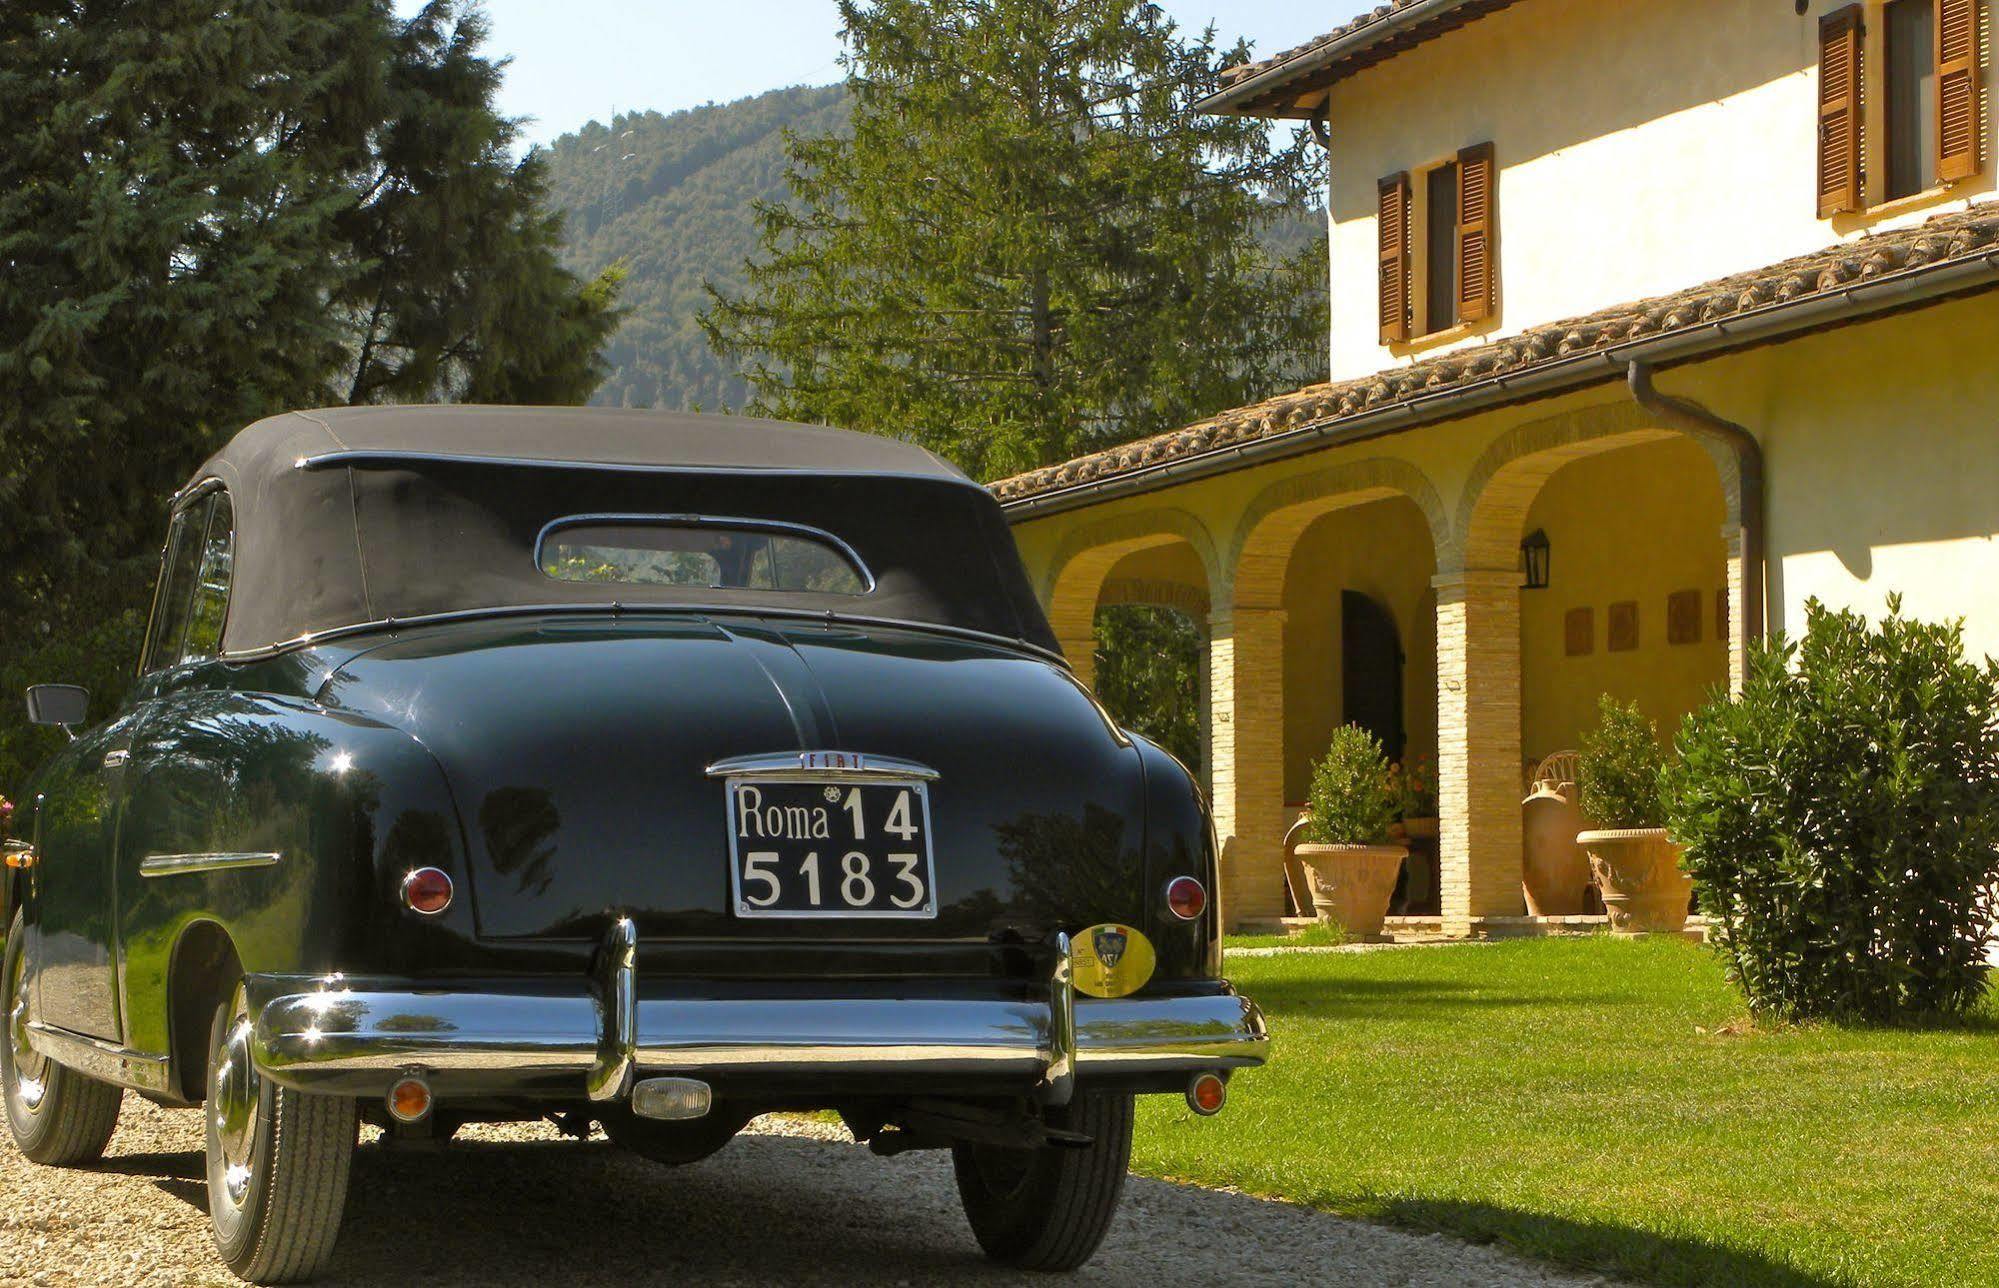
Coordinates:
x,y
1110,960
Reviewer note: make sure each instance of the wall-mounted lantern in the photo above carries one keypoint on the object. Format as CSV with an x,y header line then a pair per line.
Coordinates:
x,y
1534,556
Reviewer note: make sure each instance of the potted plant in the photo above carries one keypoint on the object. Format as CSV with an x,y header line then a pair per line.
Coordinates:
x,y
1350,863
1416,785
1635,863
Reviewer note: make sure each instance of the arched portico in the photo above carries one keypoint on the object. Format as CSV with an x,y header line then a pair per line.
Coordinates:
x,y
1254,677
1578,463
1084,562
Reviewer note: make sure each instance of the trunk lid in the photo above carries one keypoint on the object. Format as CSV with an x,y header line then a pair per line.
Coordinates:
x,y
578,749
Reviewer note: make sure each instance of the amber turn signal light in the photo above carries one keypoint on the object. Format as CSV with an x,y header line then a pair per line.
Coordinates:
x,y
1207,1093
427,891
1187,898
409,1099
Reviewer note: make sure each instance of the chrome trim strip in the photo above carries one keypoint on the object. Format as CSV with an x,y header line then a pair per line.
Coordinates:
x,y
104,1061
181,865
709,521
356,1040
822,766
612,1075
388,458
614,608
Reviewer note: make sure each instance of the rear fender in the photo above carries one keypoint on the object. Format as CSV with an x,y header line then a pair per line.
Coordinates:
x,y
1179,841
330,809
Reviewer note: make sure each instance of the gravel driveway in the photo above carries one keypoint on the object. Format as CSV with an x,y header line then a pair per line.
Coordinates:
x,y
520,1205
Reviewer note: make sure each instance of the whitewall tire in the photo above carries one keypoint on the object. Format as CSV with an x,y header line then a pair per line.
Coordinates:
x,y
278,1161
57,1116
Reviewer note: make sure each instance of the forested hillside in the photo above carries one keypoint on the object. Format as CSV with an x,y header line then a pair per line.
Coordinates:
x,y
672,196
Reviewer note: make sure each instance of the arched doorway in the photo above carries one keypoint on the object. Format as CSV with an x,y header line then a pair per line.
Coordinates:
x,y
1371,666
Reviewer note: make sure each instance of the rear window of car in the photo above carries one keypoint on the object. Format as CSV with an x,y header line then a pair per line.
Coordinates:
x,y
712,554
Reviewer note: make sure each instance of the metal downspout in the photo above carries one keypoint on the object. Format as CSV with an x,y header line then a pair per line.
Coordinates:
x,y
1693,419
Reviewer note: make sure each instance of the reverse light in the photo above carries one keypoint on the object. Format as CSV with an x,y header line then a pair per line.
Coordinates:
x,y
409,1099
427,891
1207,1093
1187,898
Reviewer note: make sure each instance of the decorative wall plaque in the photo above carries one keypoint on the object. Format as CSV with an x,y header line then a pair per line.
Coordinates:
x,y
1622,632
1683,617
1579,632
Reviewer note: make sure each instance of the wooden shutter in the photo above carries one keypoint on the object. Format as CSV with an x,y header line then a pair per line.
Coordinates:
x,y
1394,228
1957,89
1841,123
1478,248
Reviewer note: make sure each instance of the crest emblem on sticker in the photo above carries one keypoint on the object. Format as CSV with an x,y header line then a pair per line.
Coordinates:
x,y
1110,960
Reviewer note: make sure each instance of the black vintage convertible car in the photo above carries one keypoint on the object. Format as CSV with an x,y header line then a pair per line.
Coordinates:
x,y
619,768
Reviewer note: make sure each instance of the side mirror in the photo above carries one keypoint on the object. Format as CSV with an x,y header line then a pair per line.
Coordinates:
x,y
58,704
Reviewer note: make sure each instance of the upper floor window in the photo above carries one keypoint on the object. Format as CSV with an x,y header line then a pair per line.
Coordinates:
x,y
192,601
1439,247
1911,100
1922,130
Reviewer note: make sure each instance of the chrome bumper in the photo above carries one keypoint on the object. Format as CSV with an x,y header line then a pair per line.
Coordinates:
x,y
354,1037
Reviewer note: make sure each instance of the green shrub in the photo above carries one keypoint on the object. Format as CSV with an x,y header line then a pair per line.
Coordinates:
x,y
1621,763
1842,819
1354,798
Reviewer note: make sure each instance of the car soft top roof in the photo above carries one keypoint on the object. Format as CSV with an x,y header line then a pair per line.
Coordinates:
x,y
563,435
355,517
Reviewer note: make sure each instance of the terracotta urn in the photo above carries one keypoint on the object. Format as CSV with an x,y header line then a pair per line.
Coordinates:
x,y
1352,884
1644,890
1555,872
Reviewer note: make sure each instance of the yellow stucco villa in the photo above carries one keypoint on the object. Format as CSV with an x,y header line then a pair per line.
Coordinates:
x,y
1691,300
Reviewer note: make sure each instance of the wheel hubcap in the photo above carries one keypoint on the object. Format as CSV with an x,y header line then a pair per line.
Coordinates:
x,y
233,1093
28,1085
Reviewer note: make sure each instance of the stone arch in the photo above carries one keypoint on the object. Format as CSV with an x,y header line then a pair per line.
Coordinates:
x,y
1510,473
1270,528
1191,600
1086,557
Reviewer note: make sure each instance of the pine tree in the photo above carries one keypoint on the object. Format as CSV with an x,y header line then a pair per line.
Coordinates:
x,y
1029,246
192,202
441,193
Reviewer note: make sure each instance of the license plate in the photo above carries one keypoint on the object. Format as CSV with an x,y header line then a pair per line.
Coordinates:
x,y
830,849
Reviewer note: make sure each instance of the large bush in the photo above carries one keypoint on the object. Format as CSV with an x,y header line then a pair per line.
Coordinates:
x,y
1354,798
1621,764
1842,819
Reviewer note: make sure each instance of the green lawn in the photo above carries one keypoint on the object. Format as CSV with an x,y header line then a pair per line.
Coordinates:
x,y
1603,1104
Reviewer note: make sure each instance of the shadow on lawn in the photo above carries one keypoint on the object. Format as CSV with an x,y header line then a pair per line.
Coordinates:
x,y
1639,1255
1403,998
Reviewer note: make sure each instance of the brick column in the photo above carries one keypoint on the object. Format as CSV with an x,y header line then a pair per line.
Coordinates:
x,y
1737,636
1081,650
1204,691
1246,745
1478,745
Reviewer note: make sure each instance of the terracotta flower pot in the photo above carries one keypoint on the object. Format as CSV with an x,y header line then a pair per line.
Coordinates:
x,y
1555,873
1644,890
1420,829
1352,884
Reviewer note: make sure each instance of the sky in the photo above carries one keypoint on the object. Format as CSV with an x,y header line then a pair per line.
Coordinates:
x,y
575,60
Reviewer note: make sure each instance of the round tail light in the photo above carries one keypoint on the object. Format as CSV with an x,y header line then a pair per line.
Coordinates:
x,y
409,1099
1207,1093
1187,898
427,891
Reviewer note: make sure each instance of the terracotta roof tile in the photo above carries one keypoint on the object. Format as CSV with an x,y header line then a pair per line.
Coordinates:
x,y
1944,238
1236,75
